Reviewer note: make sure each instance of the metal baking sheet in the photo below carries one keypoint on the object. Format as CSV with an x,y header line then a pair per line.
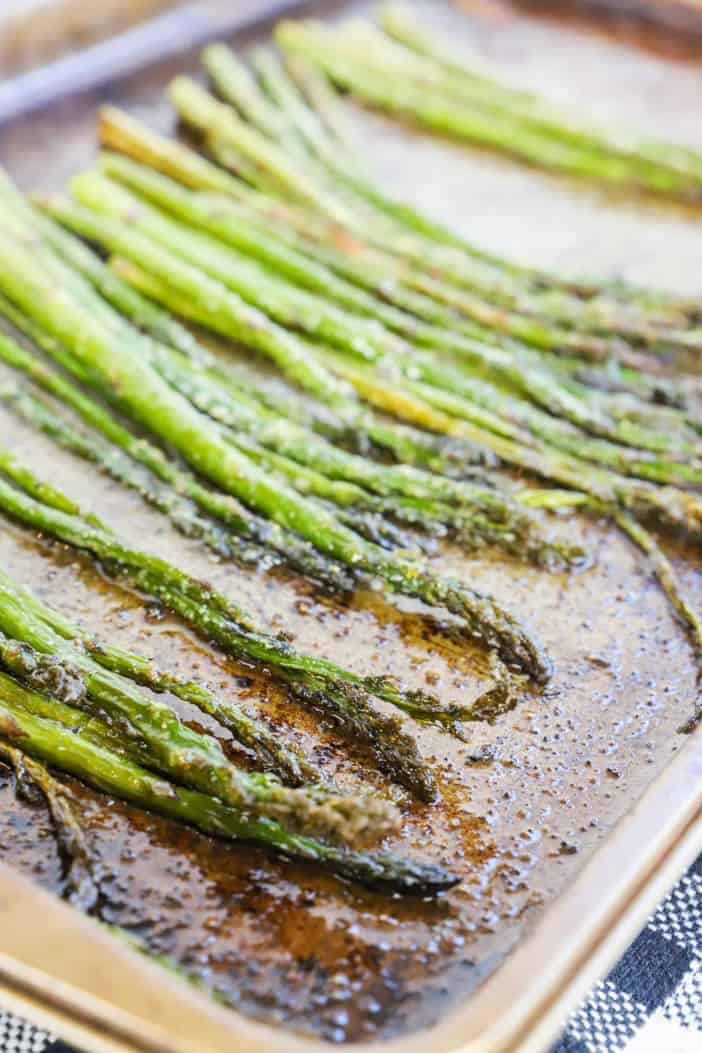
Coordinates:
x,y
586,800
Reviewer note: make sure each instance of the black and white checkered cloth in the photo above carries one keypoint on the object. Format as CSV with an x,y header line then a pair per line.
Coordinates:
x,y
652,1000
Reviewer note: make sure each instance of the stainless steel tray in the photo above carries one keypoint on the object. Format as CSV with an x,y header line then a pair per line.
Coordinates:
x,y
66,972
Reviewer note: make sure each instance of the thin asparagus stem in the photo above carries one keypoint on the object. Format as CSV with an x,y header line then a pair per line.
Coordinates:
x,y
668,579
666,575
324,101
237,85
293,109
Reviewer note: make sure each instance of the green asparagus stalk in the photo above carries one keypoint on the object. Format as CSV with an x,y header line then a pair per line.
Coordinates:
x,y
124,133
408,446
324,101
293,109
315,682
665,572
237,85
182,513
270,752
242,322
307,182
38,488
105,769
491,96
210,399
202,110
459,399
106,544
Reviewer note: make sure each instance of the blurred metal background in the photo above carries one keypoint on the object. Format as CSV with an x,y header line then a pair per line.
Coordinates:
x,y
33,32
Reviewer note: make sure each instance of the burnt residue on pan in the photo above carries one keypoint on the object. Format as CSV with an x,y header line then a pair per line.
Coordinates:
x,y
527,799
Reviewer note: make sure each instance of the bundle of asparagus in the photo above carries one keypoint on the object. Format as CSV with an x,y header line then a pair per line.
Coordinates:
x,y
426,365
400,68
120,361
48,731
122,741
213,247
